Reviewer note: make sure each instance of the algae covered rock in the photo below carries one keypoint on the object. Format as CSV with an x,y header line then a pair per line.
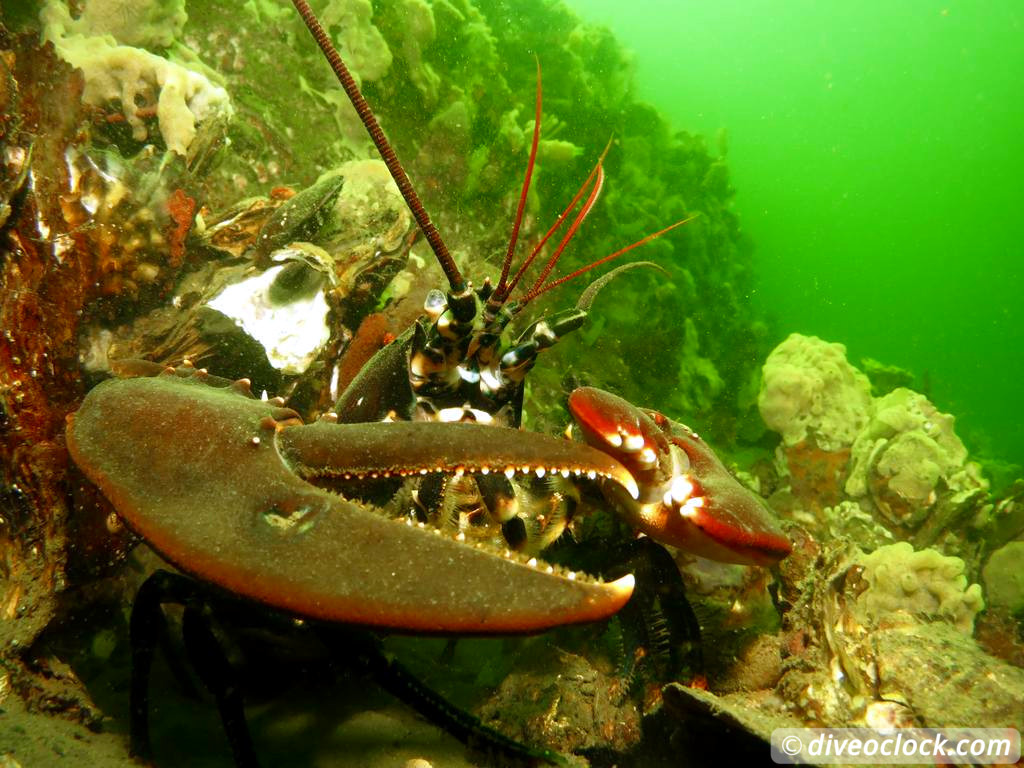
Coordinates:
x,y
1004,578
885,378
810,390
925,585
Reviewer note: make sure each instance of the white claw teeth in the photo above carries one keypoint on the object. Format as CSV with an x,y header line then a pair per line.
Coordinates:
x,y
591,475
634,442
540,471
615,440
681,490
532,562
510,473
565,472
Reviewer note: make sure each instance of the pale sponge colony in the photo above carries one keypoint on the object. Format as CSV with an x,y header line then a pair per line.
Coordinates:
x,y
808,389
907,455
918,586
897,456
130,76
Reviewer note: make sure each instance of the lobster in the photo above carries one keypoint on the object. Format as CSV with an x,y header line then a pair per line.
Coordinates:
x,y
226,486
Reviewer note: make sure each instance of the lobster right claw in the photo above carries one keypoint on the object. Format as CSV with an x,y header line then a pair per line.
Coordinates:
x,y
687,497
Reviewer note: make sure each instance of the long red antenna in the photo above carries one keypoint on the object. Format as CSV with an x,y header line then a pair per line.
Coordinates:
x,y
507,265
398,173
555,227
538,289
588,206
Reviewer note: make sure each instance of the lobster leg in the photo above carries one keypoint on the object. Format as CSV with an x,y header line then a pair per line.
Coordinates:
x,y
147,628
217,674
365,650
351,648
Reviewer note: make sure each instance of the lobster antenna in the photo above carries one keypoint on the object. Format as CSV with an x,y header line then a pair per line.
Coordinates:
x,y
555,227
507,265
581,216
538,289
391,160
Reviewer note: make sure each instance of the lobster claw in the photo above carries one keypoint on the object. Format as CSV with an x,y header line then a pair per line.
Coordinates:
x,y
210,477
687,498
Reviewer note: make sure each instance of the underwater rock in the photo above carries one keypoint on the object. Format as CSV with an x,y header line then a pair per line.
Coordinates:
x,y
1004,578
879,640
265,306
559,699
809,390
849,520
946,679
870,634
929,676
903,585
818,402
907,456
885,378
49,266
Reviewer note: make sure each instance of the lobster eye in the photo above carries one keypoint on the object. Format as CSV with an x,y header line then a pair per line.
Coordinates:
x,y
435,304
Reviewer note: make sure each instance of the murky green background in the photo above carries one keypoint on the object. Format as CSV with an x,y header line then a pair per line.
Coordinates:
x,y
878,152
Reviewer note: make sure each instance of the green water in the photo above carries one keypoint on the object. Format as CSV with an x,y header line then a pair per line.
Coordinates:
x,y
876,149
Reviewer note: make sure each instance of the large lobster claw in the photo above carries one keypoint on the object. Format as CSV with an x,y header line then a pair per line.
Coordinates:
x,y
687,497
210,477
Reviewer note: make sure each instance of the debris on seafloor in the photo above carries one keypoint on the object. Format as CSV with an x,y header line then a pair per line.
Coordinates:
x,y
288,280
